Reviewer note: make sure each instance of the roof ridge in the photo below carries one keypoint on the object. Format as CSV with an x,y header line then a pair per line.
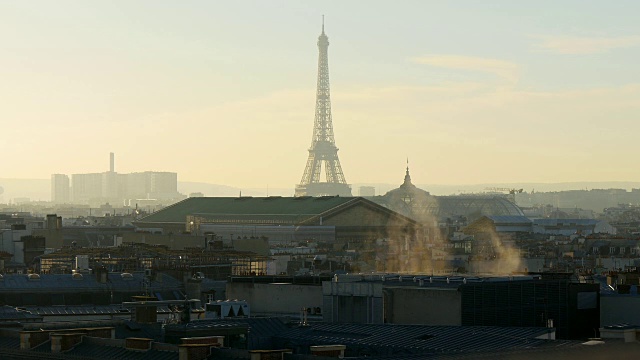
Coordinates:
x,y
167,207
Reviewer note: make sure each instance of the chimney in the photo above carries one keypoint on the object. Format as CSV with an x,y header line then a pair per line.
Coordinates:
x,y
101,274
31,339
335,351
52,222
138,344
112,165
193,288
194,351
65,342
207,340
146,314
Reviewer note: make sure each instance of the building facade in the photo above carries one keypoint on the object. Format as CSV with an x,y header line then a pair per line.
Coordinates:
x,y
60,189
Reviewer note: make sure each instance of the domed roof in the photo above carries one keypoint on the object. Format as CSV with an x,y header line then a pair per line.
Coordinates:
x,y
473,206
409,200
419,204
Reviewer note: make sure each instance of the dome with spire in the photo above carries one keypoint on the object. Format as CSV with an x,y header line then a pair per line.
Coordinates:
x,y
420,205
410,200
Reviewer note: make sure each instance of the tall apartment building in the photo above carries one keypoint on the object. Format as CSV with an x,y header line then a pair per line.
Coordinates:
x,y
60,189
86,187
113,187
110,186
151,185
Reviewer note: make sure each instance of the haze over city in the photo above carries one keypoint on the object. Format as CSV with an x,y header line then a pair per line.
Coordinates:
x,y
294,180
223,92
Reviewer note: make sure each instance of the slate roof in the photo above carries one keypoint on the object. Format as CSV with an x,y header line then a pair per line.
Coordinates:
x,y
90,310
107,349
600,243
509,219
293,209
389,339
393,340
261,330
9,342
565,222
8,313
468,205
65,282
95,350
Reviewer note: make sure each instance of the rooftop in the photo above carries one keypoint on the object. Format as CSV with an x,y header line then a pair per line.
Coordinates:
x,y
389,339
88,282
294,209
510,219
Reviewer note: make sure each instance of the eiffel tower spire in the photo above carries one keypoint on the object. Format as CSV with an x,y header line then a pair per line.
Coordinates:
x,y
323,148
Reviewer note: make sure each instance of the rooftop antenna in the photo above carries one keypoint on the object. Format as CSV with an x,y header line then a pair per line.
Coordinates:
x,y
323,24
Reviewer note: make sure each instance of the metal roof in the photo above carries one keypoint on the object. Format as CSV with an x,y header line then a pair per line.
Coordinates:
x,y
469,205
95,350
78,310
565,222
93,310
11,313
508,219
66,283
108,349
431,281
290,208
390,339
418,339
599,243
11,342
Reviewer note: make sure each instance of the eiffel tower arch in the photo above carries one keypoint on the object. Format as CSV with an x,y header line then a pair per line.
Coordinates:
x,y
323,150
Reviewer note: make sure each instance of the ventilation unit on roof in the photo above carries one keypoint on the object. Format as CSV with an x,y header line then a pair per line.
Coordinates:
x,y
76,276
326,197
126,276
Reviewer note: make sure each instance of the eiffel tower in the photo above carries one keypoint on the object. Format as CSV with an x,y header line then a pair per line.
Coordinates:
x,y
323,146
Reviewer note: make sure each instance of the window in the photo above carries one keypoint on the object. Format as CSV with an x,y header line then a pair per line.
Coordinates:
x,y
612,250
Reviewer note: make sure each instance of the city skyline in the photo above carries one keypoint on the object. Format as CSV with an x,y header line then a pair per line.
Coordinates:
x,y
224,94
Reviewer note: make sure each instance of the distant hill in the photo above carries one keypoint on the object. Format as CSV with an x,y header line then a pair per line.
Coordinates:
x,y
40,189
34,189
187,187
439,189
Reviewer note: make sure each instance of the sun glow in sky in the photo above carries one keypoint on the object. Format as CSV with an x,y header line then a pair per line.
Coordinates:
x,y
224,91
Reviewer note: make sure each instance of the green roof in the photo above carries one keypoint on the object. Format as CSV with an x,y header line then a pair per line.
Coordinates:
x,y
273,206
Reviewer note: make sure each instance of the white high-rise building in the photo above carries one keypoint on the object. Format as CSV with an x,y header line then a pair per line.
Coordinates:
x,y
110,186
60,189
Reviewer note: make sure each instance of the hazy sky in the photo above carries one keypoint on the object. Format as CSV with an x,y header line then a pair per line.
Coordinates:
x,y
224,91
